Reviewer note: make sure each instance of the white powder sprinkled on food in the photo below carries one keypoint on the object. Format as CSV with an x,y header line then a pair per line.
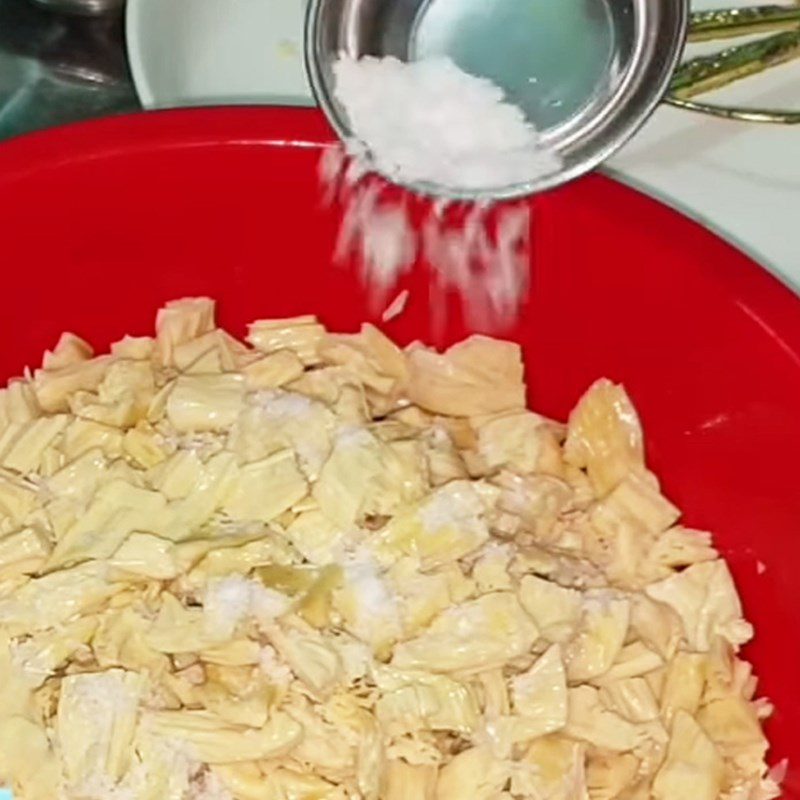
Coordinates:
x,y
429,121
227,602
267,604
105,698
371,590
439,512
279,405
105,695
296,414
375,602
455,505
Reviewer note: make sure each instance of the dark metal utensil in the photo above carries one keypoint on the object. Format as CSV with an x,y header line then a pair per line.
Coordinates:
x,y
75,50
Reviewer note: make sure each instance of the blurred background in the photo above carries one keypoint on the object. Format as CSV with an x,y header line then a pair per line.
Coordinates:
x,y
60,67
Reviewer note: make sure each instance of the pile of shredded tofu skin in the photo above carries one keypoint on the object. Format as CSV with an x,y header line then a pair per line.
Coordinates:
x,y
320,566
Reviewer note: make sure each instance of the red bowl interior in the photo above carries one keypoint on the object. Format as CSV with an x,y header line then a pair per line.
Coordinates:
x,y
101,223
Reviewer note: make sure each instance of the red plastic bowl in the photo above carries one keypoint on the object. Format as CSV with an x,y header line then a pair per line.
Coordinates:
x,y
101,223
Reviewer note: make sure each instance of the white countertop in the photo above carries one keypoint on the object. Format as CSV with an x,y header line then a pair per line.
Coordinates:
x,y
741,179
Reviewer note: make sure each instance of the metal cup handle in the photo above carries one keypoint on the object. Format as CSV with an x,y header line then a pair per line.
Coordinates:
x,y
705,73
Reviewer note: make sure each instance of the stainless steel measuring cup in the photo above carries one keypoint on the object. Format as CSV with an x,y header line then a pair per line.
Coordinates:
x,y
643,40
639,71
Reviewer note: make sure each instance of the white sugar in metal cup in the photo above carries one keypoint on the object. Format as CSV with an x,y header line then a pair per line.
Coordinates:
x,y
428,122
586,73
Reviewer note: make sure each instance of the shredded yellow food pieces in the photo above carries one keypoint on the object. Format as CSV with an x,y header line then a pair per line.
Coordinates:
x,y
318,566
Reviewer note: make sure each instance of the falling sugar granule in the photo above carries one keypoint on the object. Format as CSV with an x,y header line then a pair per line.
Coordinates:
x,y
487,269
396,307
428,123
